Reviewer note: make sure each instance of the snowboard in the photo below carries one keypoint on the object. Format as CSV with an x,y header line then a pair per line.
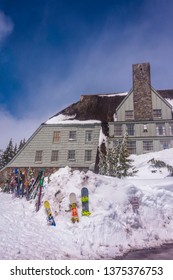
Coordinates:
x,y
50,217
73,207
85,202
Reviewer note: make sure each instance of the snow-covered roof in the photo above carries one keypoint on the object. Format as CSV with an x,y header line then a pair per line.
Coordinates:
x,y
114,94
97,108
64,119
89,109
170,101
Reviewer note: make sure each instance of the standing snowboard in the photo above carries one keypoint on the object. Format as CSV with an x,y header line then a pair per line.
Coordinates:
x,y
50,218
85,202
73,206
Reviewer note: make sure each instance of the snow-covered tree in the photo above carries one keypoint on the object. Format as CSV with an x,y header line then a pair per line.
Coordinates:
x,y
124,163
111,161
102,163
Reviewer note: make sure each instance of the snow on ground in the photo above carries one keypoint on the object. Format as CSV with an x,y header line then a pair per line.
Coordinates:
x,y
112,229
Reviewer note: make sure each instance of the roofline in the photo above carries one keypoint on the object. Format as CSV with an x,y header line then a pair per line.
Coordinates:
x,y
27,142
154,90
125,98
162,98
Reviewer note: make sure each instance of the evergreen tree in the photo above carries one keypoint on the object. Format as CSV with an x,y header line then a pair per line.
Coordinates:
x,y
111,157
15,149
1,152
21,144
124,163
102,163
117,153
8,154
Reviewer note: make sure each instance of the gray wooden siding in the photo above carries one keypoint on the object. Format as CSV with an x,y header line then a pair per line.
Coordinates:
x,y
157,103
140,136
126,105
43,140
139,128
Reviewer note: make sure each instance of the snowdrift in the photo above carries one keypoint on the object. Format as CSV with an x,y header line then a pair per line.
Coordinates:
x,y
112,229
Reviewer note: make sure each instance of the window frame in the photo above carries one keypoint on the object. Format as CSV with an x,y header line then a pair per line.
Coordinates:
x,y
38,155
71,155
171,129
157,113
167,142
118,129
56,137
54,155
130,131
87,132
147,145
129,115
88,158
72,135
132,148
160,129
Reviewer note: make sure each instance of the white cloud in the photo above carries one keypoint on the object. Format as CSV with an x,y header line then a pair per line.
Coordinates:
x,y
17,129
6,26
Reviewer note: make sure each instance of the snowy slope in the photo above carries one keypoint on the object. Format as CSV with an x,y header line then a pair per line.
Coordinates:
x,y
111,230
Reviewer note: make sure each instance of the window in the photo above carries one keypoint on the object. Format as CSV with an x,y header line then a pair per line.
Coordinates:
x,y
88,136
164,144
157,113
131,146
72,135
147,146
171,129
129,115
71,155
38,156
160,129
88,154
145,129
56,137
54,156
130,129
118,130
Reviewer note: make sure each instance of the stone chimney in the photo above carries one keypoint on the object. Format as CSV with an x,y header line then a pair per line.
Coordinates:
x,y
142,92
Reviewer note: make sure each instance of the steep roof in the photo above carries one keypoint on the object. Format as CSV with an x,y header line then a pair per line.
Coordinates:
x,y
101,106
94,107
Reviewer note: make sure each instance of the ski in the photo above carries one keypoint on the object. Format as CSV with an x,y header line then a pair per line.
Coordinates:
x,y
33,189
39,193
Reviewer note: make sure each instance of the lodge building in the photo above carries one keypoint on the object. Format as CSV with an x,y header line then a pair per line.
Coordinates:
x,y
72,136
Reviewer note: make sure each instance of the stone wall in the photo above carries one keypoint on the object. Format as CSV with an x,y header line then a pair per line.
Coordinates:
x,y
142,92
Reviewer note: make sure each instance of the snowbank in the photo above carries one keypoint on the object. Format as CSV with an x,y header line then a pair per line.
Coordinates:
x,y
111,230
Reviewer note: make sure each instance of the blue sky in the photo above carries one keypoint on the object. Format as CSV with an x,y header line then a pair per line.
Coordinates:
x,y
52,51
